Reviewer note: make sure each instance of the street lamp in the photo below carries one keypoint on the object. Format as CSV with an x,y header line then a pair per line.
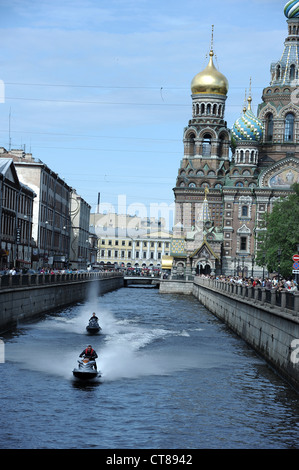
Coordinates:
x,y
252,265
264,257
278,255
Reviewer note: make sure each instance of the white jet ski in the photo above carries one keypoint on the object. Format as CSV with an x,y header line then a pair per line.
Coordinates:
x,y
86,370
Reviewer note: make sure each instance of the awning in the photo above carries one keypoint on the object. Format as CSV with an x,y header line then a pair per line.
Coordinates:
x,y
167,262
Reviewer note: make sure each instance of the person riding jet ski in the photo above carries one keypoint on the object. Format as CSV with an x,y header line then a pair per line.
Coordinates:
x,y
93,317
90,354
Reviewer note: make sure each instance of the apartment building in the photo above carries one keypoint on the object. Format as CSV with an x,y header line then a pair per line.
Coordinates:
x,y
16,210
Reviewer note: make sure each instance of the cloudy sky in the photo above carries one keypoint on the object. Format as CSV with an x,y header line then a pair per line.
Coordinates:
x,y
100,90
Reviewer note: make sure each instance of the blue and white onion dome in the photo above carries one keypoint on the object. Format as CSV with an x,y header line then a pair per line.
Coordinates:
x,y
247,128
291,9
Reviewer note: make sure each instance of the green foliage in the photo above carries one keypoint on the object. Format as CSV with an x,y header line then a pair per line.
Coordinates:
x,y
280,231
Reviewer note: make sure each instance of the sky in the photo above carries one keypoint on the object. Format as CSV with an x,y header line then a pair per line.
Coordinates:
x,y
100,90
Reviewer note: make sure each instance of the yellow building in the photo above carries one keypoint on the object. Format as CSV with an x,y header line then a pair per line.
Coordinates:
x,y
142,251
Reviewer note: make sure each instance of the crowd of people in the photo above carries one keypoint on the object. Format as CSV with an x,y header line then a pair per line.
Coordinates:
x,y
268,283
45,270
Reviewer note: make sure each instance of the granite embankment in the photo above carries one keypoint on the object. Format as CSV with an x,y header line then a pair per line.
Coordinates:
x,y
24,297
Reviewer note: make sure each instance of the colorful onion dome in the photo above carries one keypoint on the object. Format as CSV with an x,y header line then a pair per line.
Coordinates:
x,y
247,128
291,9
210,80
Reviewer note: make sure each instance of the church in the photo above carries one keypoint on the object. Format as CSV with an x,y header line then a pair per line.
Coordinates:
x,y
229,178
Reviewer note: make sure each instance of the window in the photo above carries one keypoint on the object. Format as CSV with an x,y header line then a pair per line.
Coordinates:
x,y
116,254
123,242
206,145
289,127
244,211
292,72
243,243
269,127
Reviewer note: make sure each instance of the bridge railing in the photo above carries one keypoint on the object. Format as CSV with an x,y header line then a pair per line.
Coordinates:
x,y
9,281
284,299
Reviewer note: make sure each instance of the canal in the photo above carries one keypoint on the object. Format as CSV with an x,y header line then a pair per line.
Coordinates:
x,y
173,377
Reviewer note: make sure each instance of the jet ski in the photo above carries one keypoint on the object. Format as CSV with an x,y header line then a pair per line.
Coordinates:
x,y
93,327
86,369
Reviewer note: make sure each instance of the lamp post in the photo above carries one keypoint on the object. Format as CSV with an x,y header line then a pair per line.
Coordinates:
x,y
278,256
252,264
264,257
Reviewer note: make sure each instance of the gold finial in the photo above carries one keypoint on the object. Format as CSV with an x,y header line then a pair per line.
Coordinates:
x,y
249,97
206,192
212,39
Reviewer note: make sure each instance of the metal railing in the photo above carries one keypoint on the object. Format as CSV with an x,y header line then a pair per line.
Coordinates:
x,y
283,299
9,281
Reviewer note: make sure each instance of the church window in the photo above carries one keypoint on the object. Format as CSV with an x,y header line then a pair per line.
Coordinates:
x,y
202,108
206,145
215,109
221,146
244,211
289,127
243,243
209,109
269,127
292,72
278,72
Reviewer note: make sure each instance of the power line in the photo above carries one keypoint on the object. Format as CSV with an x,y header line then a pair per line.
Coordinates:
x,y
107,87
91,136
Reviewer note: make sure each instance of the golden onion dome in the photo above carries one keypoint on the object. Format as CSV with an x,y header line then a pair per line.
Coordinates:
x,y
210,80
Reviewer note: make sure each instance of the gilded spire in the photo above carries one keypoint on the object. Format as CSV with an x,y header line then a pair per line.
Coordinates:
x,y
249,97
212,39
210,80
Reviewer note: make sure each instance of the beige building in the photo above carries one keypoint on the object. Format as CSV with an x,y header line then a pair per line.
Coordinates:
x,y
78,230
130,241
142,251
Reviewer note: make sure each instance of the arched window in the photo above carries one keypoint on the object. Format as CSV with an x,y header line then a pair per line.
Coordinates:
x,y
278,72
269,127
244,211
289,127
292,72
191,144
206,145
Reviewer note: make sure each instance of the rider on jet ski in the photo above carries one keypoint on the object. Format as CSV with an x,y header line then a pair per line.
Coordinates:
x,y
93,317
90,354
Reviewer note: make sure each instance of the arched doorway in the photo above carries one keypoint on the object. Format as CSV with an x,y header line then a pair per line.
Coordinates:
x,y
203,269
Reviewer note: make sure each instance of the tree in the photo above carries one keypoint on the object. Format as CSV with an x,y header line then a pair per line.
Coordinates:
x,y
280,231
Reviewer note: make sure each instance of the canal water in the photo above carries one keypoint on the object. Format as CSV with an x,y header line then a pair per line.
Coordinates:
x,y
173,377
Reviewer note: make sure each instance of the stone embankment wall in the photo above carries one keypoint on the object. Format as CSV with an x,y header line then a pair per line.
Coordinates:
x,y
24,302
269,329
